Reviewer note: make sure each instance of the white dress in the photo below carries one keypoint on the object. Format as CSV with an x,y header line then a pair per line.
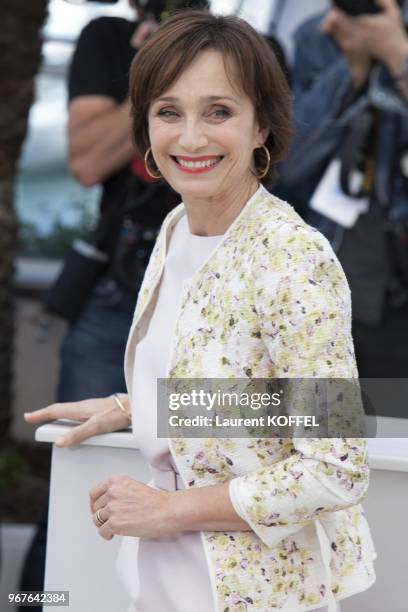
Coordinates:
x,y
168,574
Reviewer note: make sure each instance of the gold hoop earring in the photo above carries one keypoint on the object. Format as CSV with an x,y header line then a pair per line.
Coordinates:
x,y
268,165
149,172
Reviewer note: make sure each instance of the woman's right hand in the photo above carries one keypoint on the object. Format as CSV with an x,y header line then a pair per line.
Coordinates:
x,y
101,415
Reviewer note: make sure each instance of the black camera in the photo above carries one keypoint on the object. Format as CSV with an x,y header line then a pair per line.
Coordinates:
x,y
162,8
360,7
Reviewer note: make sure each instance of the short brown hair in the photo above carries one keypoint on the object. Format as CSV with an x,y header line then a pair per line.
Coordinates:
x,y
173,47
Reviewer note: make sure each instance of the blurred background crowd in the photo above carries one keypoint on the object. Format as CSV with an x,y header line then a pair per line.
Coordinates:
x,y
76,198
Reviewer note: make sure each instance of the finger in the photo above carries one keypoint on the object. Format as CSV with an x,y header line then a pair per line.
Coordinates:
x,y
339,24
388,6
329,21
102,494
98,490
77,411
338,15
80,433
49,413
105,531
100,503
143,32
101,518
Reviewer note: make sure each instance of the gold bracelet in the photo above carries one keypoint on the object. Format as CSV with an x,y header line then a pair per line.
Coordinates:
x,y
122,407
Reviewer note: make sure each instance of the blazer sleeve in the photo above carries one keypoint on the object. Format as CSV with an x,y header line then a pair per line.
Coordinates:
x,y
303,304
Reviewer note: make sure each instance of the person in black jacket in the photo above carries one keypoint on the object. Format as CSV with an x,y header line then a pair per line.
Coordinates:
x,y
350,82
101,152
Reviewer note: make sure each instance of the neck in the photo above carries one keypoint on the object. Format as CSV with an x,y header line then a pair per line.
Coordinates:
x,y
213,216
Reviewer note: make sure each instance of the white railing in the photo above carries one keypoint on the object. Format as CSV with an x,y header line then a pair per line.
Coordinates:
x,y
78,559
81,562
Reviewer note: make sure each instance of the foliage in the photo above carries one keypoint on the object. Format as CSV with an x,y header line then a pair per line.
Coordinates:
x,y
24,481
20,55
57,241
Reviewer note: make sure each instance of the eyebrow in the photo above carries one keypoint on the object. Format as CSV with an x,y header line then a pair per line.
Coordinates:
x,y
204,99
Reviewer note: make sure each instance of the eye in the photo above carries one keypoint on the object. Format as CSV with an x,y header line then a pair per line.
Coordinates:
x,y
220,113
166,112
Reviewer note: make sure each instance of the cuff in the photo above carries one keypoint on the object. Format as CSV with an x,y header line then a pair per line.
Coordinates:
x,y
270,536
233,493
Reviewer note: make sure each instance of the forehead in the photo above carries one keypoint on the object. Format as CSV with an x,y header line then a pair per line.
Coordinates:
x,y
209,74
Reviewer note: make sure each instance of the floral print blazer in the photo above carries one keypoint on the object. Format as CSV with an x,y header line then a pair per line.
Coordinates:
x,y
270,301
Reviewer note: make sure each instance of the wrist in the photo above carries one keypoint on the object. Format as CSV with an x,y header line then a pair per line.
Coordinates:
x,y
180,511
204,509
122,402
190,509
174,512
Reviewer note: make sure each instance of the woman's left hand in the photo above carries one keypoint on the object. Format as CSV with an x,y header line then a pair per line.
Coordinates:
x,y
130,508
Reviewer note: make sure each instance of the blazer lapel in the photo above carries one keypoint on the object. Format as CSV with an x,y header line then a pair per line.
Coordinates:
x,y
147,293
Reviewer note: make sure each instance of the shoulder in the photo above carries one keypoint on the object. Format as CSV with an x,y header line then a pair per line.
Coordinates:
x,y
104,32
108,26
101,60
286,244
310,28
310,40
278,219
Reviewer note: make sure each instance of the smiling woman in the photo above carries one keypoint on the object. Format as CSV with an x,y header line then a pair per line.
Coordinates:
x,y
203,144
238,286
246,73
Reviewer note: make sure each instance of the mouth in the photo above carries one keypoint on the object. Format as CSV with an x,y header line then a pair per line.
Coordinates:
x,y
197,165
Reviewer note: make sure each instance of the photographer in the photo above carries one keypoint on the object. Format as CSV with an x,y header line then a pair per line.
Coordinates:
x,y
347,169
101,152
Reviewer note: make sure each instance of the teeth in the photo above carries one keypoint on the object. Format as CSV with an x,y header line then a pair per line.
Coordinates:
x,y
199,164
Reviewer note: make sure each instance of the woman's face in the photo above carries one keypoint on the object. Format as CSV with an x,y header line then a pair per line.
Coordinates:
x,y
203,131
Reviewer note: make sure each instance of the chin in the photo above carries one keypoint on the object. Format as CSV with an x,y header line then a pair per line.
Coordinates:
x,y
194,187
196,192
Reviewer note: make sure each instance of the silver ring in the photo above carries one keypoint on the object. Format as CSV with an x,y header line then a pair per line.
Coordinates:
x,y
99,519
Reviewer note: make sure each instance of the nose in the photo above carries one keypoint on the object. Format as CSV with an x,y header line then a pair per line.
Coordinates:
x,y
192,136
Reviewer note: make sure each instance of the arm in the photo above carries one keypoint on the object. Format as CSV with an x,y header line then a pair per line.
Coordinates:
x,y
321,81
383,36
386,39
99,137
312,301
206,509
131,508
319,475
102,415
99,124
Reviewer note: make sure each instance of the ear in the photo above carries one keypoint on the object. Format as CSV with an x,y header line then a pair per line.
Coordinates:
x,y
262,136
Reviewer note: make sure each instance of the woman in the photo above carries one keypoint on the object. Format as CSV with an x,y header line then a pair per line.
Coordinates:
x,y
238,286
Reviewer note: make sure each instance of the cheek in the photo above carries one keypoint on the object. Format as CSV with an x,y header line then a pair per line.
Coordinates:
x,y
161,135
239,140
231,140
